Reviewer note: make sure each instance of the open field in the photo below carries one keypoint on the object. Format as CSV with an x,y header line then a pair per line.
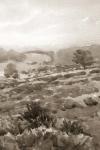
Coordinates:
x,y
72,95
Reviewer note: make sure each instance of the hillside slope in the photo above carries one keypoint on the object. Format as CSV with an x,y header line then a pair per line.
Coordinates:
x,y
64,56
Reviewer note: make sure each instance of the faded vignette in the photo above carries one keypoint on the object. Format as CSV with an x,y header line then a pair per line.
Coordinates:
x,y
49,75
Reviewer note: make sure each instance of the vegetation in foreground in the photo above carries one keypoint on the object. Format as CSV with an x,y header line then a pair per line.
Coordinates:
x,y
53,108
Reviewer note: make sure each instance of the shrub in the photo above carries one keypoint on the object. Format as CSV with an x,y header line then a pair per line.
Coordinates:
x,y
74,127
37,115
96,78
95,71
90,101
69,75
24,72
11,71
15,75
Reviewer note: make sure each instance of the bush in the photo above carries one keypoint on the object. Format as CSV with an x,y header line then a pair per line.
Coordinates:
x,y
37,115
90,101
74,127
69,75
96,78
24,72
15,75
11,71
94,71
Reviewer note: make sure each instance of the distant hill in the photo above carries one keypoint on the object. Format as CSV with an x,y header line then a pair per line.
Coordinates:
x,y
64,56
11,55
50,54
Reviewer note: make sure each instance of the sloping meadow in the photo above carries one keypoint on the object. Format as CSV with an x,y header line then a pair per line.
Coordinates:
x,y
55,122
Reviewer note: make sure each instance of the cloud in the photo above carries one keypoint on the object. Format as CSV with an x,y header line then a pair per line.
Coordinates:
x,y
21,21
49,22
98,22
85,19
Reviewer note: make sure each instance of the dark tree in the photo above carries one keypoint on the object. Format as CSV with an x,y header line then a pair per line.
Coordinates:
x,y
83,57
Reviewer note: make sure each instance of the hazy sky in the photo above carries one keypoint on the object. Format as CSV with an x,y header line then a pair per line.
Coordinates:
x,y
49,23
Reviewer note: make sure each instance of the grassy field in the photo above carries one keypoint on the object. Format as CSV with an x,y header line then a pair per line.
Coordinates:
x,y
71,95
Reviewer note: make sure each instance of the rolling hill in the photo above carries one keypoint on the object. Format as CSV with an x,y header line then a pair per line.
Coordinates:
x,y
64,56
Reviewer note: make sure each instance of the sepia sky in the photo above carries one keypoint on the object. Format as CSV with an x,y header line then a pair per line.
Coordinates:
x,y
49,23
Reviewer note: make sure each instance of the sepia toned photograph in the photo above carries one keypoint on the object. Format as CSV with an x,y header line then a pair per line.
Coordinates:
x,y
49,74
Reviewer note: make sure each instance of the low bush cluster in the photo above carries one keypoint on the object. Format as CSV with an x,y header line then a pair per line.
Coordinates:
x,y
35,129
94,71
72,127
38,116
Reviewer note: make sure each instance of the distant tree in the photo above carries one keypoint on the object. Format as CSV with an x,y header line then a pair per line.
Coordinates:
x,y
11,71
83,57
